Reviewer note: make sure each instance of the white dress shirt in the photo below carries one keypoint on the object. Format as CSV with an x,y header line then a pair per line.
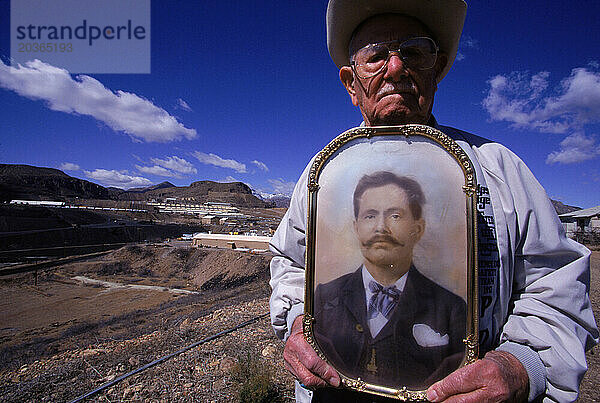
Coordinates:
x,y
379,321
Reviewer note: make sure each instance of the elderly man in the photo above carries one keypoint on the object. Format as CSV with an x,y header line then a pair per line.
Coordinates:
x,y
393,325
535,316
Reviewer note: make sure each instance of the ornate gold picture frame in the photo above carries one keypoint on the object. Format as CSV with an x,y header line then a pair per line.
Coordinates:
x,y
391,269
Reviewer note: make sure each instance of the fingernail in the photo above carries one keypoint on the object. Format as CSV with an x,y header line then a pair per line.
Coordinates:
x,y
334,381
432,395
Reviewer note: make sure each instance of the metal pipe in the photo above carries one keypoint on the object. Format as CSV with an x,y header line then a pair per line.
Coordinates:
x,y
166,357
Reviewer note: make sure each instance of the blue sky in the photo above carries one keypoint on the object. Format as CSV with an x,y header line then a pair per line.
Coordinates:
x,y
246,91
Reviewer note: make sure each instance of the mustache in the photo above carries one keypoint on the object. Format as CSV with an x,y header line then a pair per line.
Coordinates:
x,y
382,238
398,87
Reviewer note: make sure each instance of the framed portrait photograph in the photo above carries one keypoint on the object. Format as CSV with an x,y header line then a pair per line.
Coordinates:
x,y
391,261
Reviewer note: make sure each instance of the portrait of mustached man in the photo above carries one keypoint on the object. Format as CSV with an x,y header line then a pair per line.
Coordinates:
x,y
393,325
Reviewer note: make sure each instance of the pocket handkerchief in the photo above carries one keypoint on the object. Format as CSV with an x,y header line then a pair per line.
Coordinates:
x,y
427,337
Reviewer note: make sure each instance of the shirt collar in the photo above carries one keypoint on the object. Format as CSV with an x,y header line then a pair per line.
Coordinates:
x,y
367,278
432,122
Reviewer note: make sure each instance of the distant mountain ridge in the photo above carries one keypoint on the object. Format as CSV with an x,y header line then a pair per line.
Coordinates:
x,y
236,193
28,170
35,183
562,208
29,182
38,183
161,185
277,200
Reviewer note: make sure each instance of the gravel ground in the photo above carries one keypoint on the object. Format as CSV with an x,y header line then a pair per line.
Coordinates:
x,y
590,386
205,373
201,374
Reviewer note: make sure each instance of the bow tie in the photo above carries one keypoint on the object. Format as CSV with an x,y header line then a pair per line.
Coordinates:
x,y
383,300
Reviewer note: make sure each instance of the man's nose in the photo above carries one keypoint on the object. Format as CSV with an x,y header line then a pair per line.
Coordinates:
x,y
395,67
380,225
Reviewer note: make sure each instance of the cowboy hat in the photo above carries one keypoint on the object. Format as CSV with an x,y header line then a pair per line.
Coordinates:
x,y
444,18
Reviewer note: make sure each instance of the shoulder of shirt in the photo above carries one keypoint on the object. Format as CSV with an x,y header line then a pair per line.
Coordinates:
x,y
496,151
470,138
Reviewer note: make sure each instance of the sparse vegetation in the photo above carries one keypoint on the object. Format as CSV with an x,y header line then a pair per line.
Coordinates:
x,y
255,381
113,268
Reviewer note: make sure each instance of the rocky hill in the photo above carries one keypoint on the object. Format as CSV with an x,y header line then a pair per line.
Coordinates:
x,y
562,208
35,183
236,193
282,201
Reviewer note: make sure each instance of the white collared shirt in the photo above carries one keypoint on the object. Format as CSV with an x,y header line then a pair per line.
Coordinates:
x,y
379,321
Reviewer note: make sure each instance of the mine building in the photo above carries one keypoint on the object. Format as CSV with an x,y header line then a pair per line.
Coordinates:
x,y
231,241
210,219
581,221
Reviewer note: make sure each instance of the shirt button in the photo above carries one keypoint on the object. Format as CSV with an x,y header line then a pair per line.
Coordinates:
x,y
359,327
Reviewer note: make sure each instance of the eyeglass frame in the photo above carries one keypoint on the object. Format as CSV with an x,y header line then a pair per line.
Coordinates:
x,y
390,52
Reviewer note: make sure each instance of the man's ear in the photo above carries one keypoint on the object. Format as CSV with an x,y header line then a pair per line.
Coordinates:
x,y
347,78
418,229
440,64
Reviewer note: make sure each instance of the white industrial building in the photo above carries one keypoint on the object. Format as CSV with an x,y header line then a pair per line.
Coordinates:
x,y
44,203
231,241
586,220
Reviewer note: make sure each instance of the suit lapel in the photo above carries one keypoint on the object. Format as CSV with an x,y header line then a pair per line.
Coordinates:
x,y
353,296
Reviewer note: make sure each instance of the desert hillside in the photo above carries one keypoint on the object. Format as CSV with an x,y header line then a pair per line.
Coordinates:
x,y
84,324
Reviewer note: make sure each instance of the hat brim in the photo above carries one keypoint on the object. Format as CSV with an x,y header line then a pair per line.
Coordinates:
x,y
443,18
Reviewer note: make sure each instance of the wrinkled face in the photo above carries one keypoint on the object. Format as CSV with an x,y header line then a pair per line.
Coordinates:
x,y
397,95
385,226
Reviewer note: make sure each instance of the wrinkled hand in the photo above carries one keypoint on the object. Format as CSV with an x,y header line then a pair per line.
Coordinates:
x,y
498,377
302,361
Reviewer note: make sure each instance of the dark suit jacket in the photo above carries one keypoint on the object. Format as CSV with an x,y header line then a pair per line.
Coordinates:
x,y
394,357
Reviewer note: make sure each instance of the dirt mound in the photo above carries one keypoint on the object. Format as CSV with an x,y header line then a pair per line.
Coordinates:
x,y
201,268
229,268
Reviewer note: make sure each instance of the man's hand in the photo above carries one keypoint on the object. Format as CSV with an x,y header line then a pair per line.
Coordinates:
x,y
302,361
498,377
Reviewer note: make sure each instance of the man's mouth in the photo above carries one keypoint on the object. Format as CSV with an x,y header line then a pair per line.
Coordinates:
x,y
396,90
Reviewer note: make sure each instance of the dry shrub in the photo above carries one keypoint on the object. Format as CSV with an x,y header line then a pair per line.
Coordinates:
x,y
255,381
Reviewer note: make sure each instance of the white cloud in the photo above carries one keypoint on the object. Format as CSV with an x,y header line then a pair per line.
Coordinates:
x,y
122,111
229,179
157,170
176,164
575,148
117,179
518,99
171,166
283,187
68,166
183,105
213,159
466,42
261,165
522,101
